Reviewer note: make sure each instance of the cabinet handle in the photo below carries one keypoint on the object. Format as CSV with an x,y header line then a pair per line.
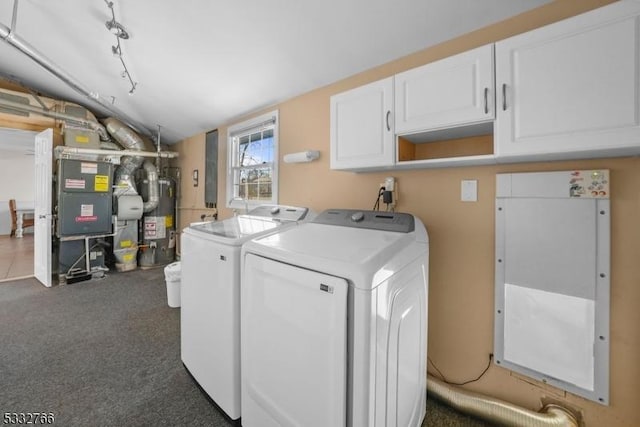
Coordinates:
x,y
504,97
387,118
486,100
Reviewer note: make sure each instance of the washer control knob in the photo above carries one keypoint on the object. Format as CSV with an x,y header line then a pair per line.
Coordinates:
x,y
357,216
275,210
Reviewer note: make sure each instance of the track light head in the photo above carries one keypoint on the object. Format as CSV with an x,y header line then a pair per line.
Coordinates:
x,y
117,29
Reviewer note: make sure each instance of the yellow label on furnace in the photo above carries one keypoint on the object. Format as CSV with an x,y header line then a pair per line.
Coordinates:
x,y
168,221
127,257
125,243
82,138
101,183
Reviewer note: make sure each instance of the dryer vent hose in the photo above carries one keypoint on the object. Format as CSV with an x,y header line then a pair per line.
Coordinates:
x,y
497,411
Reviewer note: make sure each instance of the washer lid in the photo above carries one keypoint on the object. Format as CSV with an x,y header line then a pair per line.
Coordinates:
x,y
352,246
280,212
364,256
239,227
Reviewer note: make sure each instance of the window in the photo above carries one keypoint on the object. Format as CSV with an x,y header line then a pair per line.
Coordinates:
x,y
252,173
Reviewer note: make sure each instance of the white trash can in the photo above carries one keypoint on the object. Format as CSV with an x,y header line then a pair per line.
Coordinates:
x,y
172,277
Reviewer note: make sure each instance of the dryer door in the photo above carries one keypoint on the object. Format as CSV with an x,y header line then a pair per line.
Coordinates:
x,y
294,341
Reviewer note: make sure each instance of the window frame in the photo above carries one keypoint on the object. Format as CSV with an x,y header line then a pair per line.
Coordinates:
x,y
244,128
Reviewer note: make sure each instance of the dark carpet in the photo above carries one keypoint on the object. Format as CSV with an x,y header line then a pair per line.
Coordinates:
x,y
107,353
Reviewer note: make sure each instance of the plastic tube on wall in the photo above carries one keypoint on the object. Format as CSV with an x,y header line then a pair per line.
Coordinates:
x,y
303,156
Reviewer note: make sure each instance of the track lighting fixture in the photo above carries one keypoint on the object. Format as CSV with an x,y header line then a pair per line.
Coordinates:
x,y
116,28
119,31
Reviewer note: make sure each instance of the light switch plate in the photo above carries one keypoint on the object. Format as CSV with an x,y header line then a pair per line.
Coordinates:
x,y
469,190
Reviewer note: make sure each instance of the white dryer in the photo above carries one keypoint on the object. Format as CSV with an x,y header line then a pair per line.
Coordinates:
x,y
333,322
210,298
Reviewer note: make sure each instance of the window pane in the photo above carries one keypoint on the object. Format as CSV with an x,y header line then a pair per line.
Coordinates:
x,y
255,184
264,184
252,160
256,149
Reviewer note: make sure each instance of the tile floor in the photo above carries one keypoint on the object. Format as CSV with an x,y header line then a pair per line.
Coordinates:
x,y
16,257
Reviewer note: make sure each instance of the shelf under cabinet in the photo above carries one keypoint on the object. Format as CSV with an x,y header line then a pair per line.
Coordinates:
x,y
468,145
450,162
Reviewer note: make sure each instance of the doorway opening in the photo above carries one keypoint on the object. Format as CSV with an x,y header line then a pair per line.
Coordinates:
x,y
17,173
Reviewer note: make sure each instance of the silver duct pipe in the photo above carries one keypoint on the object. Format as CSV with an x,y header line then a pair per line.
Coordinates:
x,y
154,187
498,411
118,152
129,164
125,136
123,178
28,108
7,34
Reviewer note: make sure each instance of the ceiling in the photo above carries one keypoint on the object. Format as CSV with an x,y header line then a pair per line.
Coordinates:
x,y
198,64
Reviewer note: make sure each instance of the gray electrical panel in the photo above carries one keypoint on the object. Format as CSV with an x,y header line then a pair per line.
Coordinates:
x,y
84,197
211,169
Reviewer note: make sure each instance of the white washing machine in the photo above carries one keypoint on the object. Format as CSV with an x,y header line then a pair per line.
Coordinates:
x,y
333,322
210,298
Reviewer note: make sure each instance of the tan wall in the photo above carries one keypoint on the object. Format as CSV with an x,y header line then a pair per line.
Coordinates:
x,y
462,234
191,199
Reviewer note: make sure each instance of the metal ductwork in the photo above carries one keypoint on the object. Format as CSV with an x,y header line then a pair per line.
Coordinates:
x,y
8,35
497,411
129,164
154,186
124,174
129,140
28,108
123,134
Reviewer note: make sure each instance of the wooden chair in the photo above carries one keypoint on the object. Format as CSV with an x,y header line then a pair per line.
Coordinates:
x,y
26,222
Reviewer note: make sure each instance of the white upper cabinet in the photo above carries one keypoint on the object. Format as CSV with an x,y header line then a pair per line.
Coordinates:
x,y
454,91
570,89
362,135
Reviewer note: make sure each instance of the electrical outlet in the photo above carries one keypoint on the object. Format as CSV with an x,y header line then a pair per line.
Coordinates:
x,y
389,183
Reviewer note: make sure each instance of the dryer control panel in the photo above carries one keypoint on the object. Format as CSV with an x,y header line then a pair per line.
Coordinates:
x,y
375,220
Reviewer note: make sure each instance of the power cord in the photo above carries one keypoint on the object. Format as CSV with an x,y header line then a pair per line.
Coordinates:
x,y
465,382
376,205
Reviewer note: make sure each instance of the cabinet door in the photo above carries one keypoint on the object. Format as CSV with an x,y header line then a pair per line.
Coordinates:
x,y
570,89
458,90
362,127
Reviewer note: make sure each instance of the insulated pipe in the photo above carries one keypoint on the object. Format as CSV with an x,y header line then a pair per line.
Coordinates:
x,y
498,411
28,108
16,41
